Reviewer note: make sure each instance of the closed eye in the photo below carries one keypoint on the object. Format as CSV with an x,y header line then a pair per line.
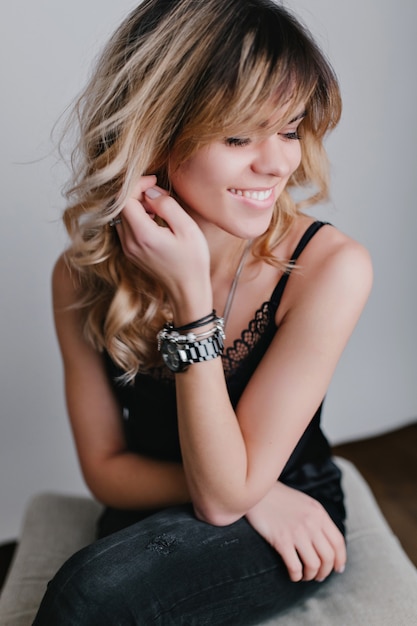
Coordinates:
x,y
295,135
237,141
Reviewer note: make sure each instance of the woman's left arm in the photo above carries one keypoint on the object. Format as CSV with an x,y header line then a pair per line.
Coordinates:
x,y
232,460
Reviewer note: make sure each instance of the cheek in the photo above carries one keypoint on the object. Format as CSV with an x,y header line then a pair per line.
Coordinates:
x,y
189,184
180,181
196,176
296,162
183,175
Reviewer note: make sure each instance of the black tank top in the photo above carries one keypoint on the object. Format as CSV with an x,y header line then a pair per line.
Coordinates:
x,y
148,406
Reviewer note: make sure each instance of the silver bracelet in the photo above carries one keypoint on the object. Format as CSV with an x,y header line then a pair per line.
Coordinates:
x,y
170,333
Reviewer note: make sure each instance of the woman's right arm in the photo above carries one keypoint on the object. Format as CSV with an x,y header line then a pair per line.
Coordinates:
x,y
116,476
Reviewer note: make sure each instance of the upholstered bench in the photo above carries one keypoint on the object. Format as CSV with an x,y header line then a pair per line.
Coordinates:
x,y
378,588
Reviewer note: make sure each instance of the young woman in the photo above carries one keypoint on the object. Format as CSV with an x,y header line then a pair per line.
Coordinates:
x,y
200,315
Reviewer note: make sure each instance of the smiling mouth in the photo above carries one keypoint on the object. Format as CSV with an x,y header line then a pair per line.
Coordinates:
x,y
252,194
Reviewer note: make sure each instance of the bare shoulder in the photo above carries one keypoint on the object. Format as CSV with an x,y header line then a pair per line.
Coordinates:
x,y
64,284
342,259
66,310
332,267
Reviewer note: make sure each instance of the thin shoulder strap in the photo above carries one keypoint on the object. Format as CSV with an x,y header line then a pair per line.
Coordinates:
x,y
307,236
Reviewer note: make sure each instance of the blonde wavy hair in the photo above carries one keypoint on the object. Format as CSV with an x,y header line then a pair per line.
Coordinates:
x,y
176,75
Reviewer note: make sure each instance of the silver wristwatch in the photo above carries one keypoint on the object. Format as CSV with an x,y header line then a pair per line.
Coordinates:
x,y
178,355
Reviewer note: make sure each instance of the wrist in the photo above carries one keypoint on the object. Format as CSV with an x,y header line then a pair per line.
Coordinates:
x,y
191,301
185,312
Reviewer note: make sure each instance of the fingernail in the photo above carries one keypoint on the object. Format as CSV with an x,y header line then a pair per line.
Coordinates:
x,y
152,193
320,580
341,570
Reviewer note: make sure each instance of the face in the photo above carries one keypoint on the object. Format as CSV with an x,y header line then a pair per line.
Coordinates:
x,y
234,184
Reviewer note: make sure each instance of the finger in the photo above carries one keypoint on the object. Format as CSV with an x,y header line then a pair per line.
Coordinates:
x,y
170,211
139,234
338,543
144,199
292,561
137,193
309,558
326,554
144,182
136,214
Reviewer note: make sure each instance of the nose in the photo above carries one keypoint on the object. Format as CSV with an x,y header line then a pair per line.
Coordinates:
x,y
274,157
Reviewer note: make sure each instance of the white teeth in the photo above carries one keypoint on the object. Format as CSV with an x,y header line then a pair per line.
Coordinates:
x,y
253,195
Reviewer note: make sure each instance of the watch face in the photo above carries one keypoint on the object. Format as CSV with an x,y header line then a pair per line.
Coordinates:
x,y
171,357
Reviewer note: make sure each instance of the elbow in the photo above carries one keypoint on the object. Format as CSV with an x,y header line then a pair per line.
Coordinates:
x,y
215,516
97,492
98,486
221,510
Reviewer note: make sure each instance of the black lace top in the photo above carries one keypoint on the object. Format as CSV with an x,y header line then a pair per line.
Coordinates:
x,y
149,404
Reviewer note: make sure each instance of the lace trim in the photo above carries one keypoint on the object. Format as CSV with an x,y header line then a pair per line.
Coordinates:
x,y
233,356
242,347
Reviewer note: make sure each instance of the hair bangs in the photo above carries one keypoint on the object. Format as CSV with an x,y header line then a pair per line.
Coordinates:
x,y
271,72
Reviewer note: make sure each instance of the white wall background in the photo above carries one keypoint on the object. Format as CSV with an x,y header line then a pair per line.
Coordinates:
x,y
47,49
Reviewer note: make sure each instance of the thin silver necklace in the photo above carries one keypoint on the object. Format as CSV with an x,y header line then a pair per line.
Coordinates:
x,y
232,291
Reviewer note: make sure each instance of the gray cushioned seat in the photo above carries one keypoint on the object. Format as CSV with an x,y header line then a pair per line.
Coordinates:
x,y
378,588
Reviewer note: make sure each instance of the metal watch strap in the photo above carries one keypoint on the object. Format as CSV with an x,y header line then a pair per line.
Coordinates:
x,y
203,350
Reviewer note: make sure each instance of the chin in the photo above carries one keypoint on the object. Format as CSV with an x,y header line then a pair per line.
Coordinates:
x,y
246,235
252,231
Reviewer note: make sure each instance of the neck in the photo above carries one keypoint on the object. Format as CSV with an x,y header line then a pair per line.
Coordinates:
x,y
225,254
229,257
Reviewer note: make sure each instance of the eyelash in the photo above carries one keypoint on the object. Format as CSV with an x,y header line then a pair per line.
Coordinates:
x,y
237,141
240,142
295,135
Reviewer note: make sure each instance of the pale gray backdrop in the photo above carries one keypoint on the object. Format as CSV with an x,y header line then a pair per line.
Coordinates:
x,y
47,48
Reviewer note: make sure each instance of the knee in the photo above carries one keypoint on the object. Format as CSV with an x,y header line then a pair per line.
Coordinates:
x,y
82,592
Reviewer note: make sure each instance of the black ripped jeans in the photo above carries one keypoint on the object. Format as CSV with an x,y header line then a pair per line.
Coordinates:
x,y
171,569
